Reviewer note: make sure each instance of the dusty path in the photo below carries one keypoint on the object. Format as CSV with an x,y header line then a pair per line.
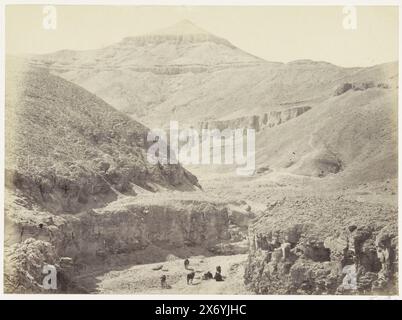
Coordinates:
x,y
142,279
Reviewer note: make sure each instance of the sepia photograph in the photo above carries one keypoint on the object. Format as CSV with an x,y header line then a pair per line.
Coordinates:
x,y
201,150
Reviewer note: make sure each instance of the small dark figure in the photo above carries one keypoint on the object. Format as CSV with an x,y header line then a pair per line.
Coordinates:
x,y
207,276
218,276
190,277
163,282
186,263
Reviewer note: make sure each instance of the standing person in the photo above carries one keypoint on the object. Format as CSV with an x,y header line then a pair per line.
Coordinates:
x,y
186,263
190,277
218,275
163,282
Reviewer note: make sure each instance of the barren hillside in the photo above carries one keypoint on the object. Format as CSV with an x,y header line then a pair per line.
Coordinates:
x,y
68,149
183,70
345,116
323,196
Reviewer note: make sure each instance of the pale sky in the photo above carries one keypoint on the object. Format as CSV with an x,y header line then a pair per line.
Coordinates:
x,y
281,33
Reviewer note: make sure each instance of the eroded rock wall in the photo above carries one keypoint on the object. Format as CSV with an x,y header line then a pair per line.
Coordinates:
x,y
353,257
256,122
93,237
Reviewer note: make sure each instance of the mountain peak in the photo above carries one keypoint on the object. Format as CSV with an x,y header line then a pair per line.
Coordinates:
x,y
182,27
182,32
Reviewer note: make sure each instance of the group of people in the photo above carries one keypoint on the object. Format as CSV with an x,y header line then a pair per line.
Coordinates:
x,y
190,276
206,276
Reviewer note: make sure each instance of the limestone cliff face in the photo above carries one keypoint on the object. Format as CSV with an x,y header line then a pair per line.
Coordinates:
x,y
135,226
256,122
94,237
359,86
174,38
123,228
359,256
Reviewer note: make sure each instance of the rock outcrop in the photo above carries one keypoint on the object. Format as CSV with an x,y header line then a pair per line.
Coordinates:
x,y
256,122
122,230
359,86
356,256
25,262
122,227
